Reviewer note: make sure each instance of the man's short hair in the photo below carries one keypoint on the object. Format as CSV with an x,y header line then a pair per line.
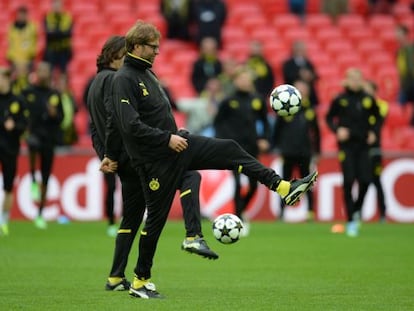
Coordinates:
x,y
141,33
114,48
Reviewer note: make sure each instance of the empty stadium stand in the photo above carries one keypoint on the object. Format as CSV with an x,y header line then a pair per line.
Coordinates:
x,y
357,39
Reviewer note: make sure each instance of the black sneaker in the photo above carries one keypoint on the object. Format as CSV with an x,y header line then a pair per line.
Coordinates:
x,y
147,291
198,246
124,284
298,187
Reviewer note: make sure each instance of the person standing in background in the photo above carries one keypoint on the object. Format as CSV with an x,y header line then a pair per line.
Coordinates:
x,y
209,17
300,67
237,118
177,14
70,108
298,7
405,67
353,117
58,26
335,8
297,139
375,153
46,115
264,79
13,122
22,40
208,64
201,110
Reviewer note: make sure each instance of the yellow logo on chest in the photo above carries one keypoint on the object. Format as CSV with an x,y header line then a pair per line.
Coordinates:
x,y
154,185
144,89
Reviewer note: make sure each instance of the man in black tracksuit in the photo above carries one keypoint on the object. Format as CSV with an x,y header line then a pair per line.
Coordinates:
x,y
110,60
354,117
13,122
162,154
239,116
46,115
297,138
375,152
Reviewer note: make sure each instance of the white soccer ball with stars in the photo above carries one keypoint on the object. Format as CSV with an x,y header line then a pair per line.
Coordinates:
x,y
227,228
285,100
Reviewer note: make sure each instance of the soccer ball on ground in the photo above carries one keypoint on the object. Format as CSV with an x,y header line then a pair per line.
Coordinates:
x,y
227,228
285,100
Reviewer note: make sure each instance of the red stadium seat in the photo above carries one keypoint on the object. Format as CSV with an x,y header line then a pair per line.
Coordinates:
x,y
243,10
388,39
396,117
388,82
180,87
120,24
313,7
370,48
265,34
270,10
239,50
387,142
326,35
350,21
276,51
83,8
315,22
335,48
252,23
232,34
329,72
85,25
379,22
360,7
407,21
169,48
320,59
183,60
406,137
146,9
360,35
378,59
180,119
313,47
348,60
296,34
330,88
285,22
159,22
116,8
81,120
235,4
328,143
402,10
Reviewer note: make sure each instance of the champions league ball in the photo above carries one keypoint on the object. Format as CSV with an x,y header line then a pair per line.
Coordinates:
x,y
227,228
285,100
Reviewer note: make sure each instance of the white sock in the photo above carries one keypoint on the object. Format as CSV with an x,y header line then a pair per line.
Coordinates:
x,y
6,217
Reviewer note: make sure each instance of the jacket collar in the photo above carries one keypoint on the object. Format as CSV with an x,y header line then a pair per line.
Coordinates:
x,y
138,62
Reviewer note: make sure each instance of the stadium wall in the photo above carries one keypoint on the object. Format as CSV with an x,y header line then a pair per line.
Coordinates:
x,y
76,190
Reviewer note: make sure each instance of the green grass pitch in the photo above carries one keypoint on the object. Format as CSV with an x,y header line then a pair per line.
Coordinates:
x,y
278,267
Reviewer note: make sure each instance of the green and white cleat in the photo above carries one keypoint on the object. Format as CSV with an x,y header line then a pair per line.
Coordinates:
x,y
40,223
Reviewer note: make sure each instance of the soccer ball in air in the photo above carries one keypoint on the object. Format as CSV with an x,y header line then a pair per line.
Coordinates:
x,y
285,100
227,228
